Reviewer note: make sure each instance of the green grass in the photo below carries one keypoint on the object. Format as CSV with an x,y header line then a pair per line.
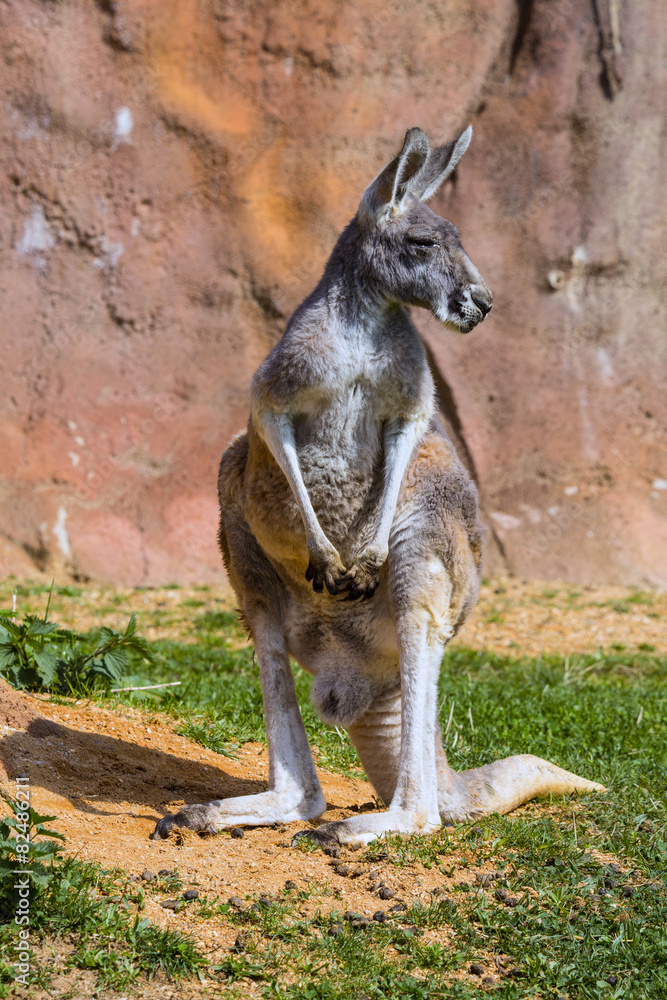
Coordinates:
x,y
95,911
565,941
604,716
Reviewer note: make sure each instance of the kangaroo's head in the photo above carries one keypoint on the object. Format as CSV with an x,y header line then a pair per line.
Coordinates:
x,y
410,254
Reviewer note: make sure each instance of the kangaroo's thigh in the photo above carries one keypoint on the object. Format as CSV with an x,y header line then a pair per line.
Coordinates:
x,y
436,540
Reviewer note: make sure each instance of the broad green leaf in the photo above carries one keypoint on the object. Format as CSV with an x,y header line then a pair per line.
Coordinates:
x,y
43,831
112,664
140,646
44,849
47,664
108,635
39,626
9,655
12,627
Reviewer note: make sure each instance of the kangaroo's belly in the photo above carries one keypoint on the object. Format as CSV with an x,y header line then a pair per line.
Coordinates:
x,y
342,464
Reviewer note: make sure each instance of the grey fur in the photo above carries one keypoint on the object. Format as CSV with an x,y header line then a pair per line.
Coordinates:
x,y
350,530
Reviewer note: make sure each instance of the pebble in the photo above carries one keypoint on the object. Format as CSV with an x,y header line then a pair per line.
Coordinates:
x,y
147,875
241,941
380,916
236,902
236,832
191,894
169,904
476,970
486,877
386,893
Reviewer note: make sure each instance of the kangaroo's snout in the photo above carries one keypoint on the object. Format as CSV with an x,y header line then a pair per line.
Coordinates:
x,y
483,298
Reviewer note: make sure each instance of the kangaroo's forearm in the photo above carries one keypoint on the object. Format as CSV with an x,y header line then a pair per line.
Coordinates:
x,y
400,439
277,432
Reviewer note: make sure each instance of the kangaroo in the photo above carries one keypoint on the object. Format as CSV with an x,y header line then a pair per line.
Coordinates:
x,y
350,531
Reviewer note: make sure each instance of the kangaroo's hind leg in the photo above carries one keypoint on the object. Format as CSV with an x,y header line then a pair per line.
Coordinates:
x,y
294,791
398,734
433,571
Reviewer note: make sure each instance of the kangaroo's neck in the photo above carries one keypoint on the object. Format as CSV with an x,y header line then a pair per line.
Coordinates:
x,y
353,302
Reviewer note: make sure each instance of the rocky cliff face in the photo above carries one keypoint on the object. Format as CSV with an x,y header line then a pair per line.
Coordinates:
x,y
173,175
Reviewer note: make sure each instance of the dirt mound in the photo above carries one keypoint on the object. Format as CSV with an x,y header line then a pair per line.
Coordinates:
x,y
16,710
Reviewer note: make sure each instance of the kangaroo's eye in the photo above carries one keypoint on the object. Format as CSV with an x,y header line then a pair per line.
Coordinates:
x,y
426,242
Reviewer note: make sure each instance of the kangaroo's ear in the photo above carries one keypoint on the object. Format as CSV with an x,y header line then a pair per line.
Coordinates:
x,y
383,197
439,166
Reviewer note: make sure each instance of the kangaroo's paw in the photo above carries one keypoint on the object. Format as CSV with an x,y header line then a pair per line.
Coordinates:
x,y
325,569
263,809
362,579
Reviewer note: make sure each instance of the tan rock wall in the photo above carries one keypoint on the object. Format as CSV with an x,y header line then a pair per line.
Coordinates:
x,y
172,178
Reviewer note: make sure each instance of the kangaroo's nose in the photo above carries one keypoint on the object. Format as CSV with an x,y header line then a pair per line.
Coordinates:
x,y
482,298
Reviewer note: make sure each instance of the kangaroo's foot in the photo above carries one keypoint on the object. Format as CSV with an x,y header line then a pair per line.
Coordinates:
x,y
357,831
494,788
504,785
245,810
